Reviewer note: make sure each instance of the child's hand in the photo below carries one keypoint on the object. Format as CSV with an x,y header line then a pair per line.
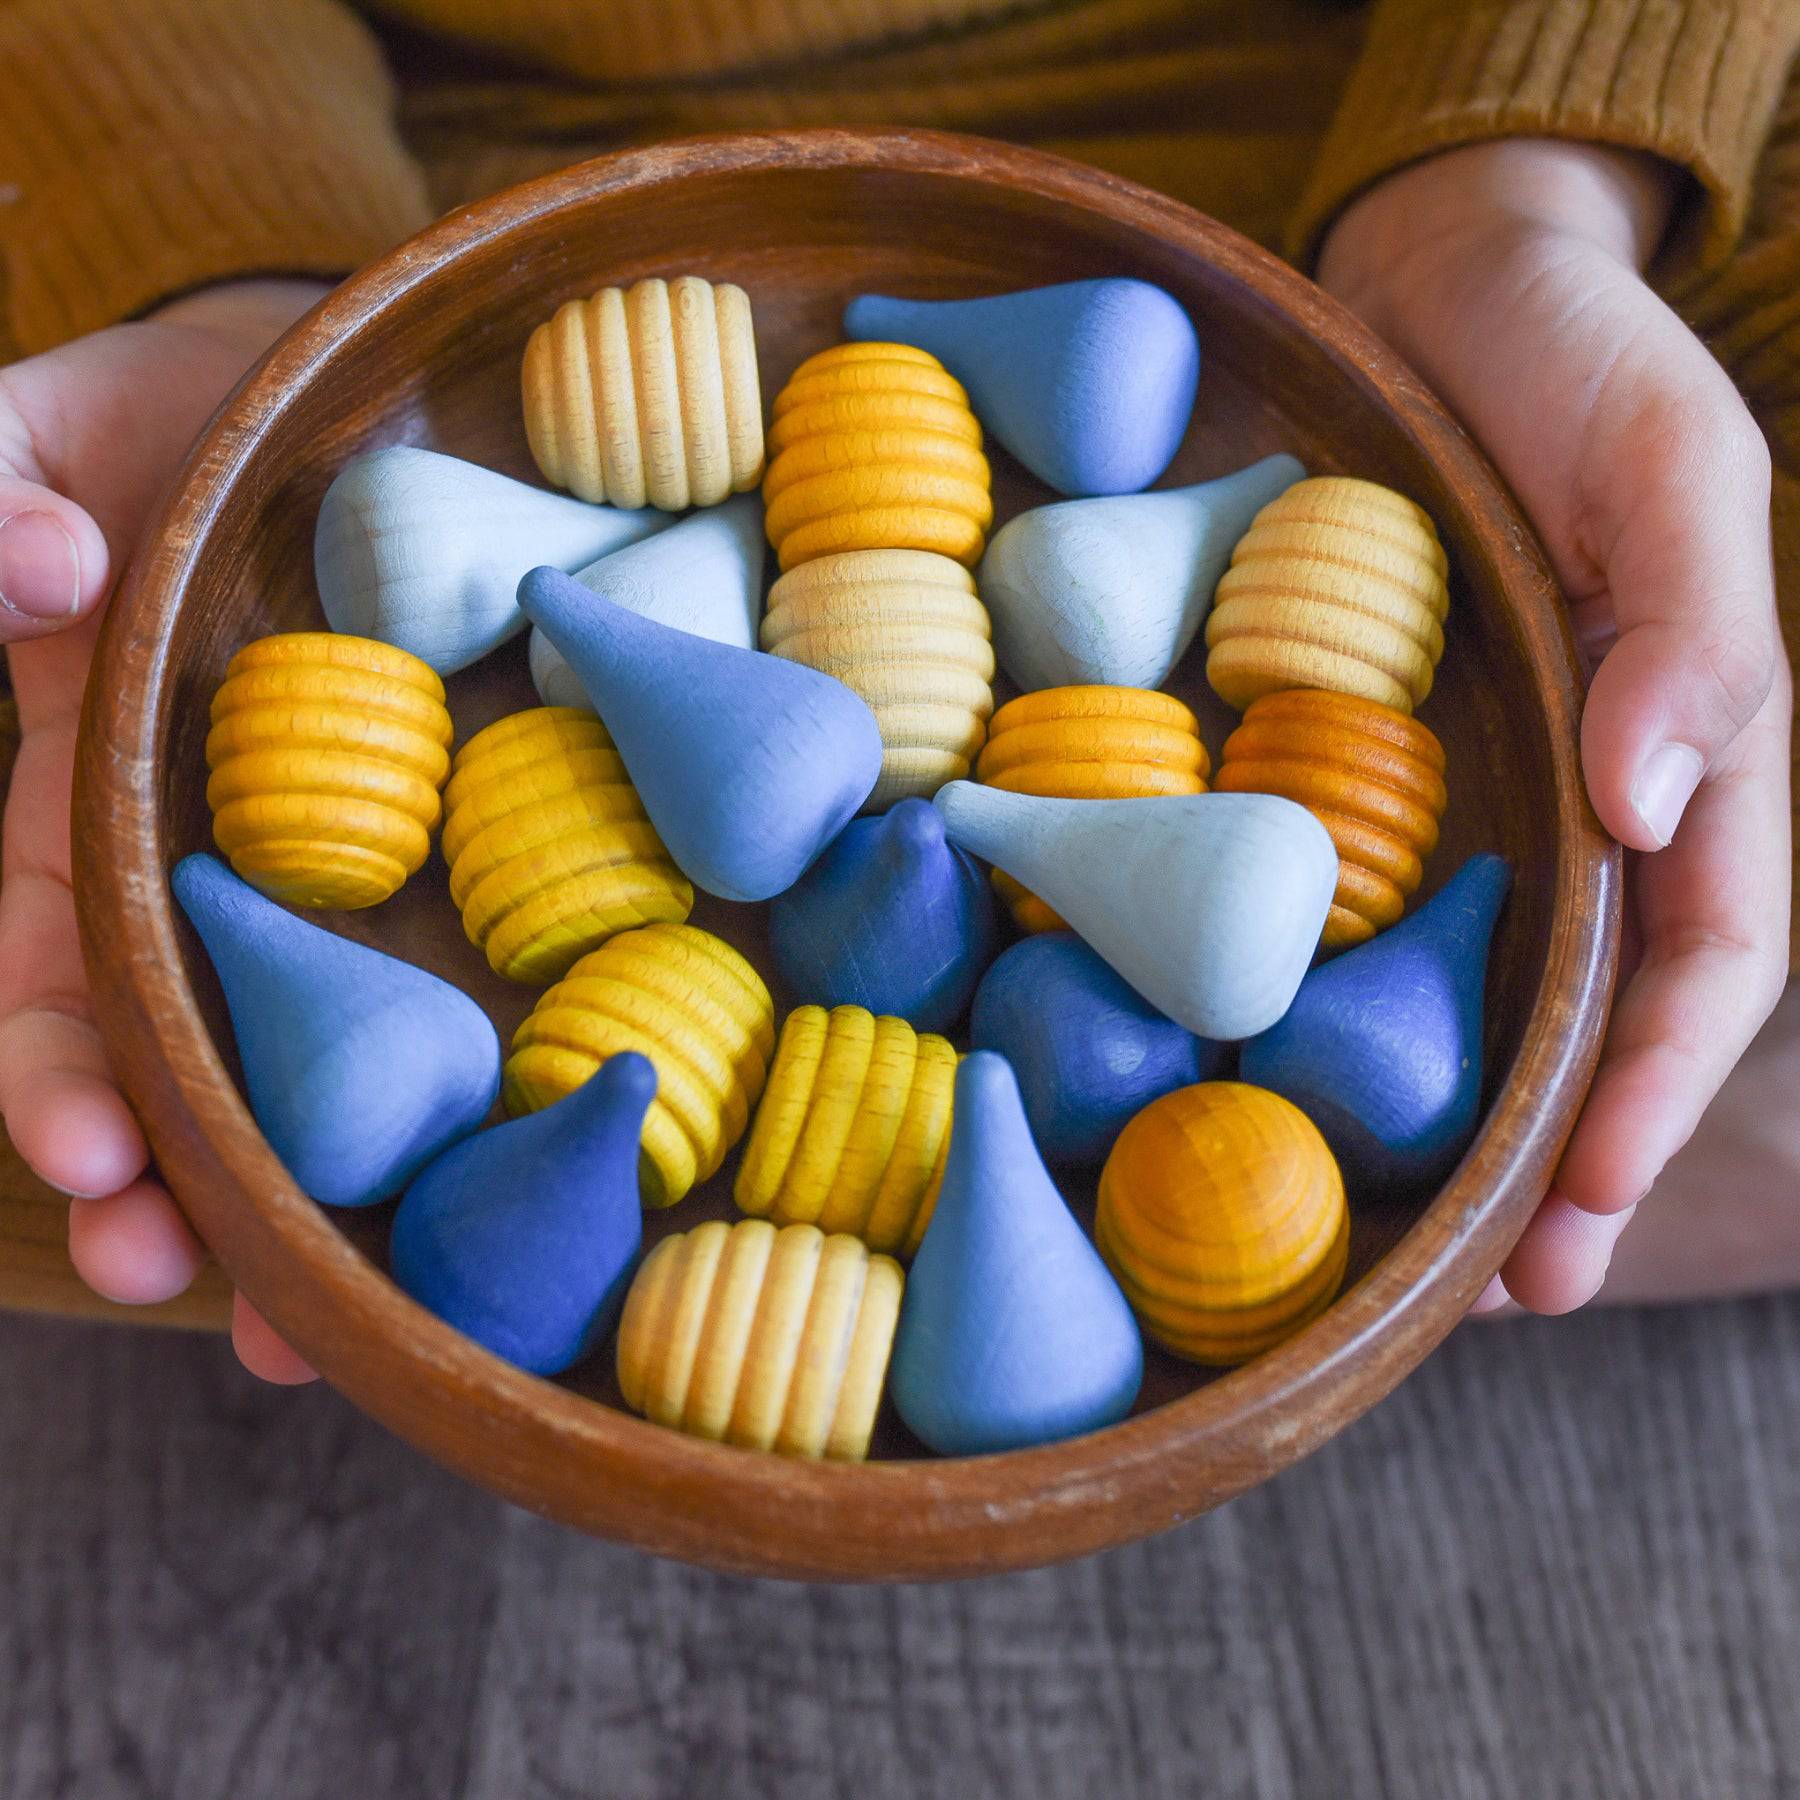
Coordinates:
x,y
1508,275
89,435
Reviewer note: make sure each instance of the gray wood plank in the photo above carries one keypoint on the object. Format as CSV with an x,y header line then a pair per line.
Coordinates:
x,y
1562,1561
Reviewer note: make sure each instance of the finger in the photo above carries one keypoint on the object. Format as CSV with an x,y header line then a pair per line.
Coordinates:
x,y
1560,1261
1714,913
134,1246
1492,1299
54,565
1692,588
261,1352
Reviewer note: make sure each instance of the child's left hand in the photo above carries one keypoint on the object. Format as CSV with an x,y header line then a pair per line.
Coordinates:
x,y
1508,274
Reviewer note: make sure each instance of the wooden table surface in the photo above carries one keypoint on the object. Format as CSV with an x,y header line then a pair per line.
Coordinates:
x,y
1562,1561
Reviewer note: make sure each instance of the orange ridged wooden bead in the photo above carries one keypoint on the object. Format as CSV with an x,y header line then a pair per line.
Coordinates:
x,y
549,847
873,447
648,395
905,630
1338,584
1088,743
767,1339
853,1128
1221,1212
690,1003
327,753
1373,777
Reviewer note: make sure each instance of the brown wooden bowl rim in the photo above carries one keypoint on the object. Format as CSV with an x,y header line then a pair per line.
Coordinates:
x,y
658,1488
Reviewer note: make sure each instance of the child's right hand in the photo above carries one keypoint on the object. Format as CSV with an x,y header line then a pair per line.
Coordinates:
x,y
89,436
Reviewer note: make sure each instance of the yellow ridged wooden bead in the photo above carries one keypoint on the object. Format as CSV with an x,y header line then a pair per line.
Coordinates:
x,y
327,753
1338,584
873,447
905,630
767,1339
694,1007
648,395
549,847
1088,743
853,1128
1221,1212
1374,778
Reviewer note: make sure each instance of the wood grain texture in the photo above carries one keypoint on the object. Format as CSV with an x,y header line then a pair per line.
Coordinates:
x,y
1558,1564
422,347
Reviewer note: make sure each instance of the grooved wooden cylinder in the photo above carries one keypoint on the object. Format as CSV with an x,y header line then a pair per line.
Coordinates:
x,y
694,1007
1338,584
767,1339
1221,1212
873,447
905,630
1088,743
327,753
853,1128
647,395
549,847
1372,776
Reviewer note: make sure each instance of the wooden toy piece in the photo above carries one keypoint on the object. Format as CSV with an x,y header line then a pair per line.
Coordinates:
x,y
1090,384
905,630
1088,1051
358,1067
770,1340
524,1237
1382,1046
1210,905
425,551
1373,777
891,918
647,395
1338,584
748,765
1088,743
853,1129
873,447
1222,1214
327,754
694,1007
704,576
1013,1332
549,848
1113,589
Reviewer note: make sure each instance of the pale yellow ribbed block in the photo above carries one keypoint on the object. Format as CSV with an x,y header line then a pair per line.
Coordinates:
x,y
905,630
767,1339
648,395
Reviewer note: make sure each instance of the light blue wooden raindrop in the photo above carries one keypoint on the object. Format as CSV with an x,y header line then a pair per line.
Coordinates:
x,y
1089,384
892,917
1012,1330
525,1237
359,1068
748,765
1382,1046
1089,1051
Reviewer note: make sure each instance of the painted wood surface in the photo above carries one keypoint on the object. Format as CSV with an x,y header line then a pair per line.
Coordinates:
x,y
1559,1563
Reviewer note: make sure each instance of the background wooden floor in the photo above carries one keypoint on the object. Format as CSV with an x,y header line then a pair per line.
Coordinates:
x,y
1563,1561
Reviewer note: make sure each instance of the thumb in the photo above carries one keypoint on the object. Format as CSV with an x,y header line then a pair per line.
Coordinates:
x,y
54,566
1691,582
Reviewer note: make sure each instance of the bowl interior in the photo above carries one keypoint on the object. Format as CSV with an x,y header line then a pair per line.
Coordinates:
x,y
425,350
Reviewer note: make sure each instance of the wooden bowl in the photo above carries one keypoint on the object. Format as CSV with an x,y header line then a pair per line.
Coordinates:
x,y
424,347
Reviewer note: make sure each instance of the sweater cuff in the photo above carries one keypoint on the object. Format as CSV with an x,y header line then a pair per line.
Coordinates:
x,y
1694,83
152,146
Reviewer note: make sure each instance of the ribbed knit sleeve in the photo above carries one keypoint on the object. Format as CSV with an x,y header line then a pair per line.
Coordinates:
x,y
1692,81
150,146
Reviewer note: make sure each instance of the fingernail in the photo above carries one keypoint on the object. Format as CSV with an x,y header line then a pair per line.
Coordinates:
x,y
40,568
1664,786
